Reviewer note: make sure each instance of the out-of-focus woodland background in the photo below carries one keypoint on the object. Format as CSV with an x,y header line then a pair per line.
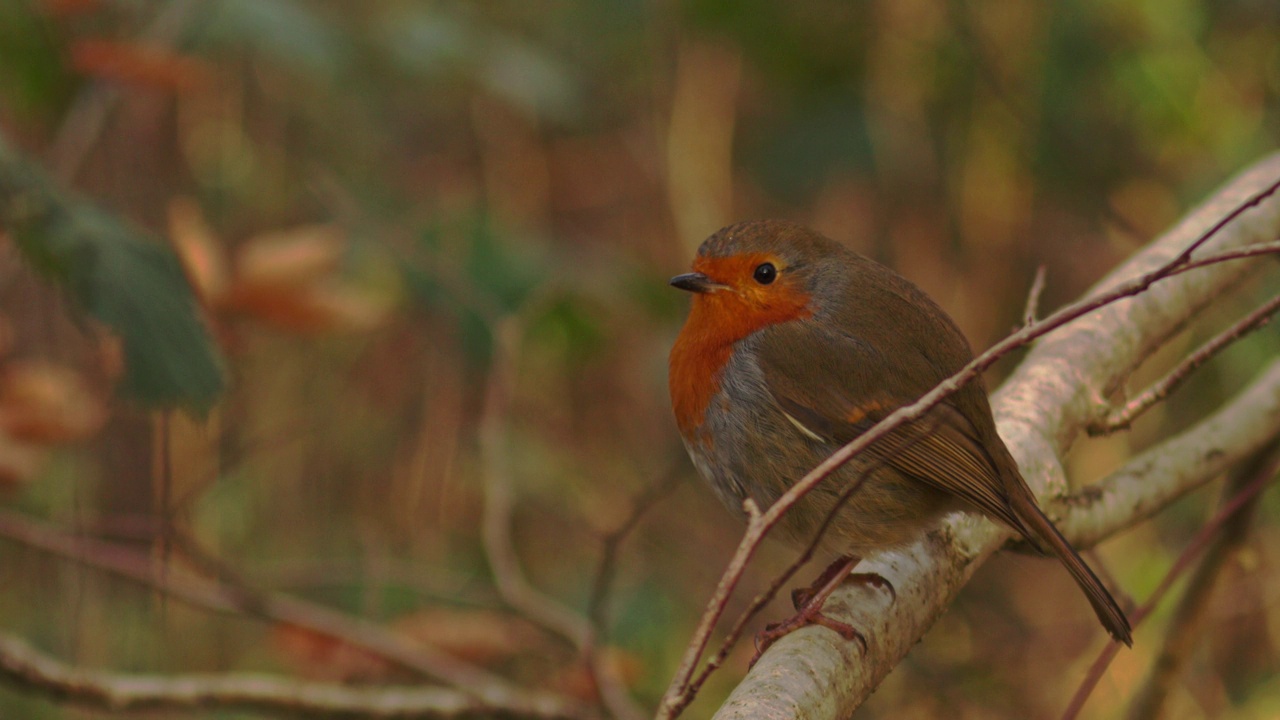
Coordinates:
x,y
433,239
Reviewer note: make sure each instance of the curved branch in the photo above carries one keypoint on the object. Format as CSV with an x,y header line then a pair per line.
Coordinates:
x,y
1040,411
500,548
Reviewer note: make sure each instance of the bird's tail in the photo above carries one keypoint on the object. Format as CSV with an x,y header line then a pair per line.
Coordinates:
x,y
1108,611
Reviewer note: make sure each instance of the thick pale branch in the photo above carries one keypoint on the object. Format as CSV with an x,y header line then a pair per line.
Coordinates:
x,y
1179,464
1040,411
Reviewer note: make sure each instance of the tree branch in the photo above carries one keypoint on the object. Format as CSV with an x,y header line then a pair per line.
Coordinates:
x,y
1122,417
1239,500
492,691
500,548
1189,621
36,672
1040,411
1176,466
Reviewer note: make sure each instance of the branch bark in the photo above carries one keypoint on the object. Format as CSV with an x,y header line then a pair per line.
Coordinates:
x,y
1054,393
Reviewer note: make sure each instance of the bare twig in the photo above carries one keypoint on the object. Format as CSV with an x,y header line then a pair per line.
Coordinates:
x,y
499,499
1160,475
677,699
1033,298
607,568
1267,248
678,696
614,694
1187,625
500,549
765,597
35,671
1242,495
276,607
1122,417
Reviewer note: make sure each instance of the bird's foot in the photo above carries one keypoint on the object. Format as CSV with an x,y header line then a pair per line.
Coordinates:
x,y
811,614
808,602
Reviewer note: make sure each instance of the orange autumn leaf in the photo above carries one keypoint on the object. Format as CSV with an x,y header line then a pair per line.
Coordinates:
x,y
576,680
44,403
318,656
19,461
198,248
297,256
128,62
483,637
328,307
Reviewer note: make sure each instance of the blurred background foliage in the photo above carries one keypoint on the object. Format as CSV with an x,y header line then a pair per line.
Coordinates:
x,y
362,192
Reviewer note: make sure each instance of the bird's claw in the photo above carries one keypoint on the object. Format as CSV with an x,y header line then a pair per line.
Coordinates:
x,y
810,615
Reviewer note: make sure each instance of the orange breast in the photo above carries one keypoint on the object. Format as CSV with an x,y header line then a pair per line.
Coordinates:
x,y
716,322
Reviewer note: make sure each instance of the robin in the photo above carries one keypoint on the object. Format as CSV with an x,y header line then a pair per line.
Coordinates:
x,y
794,346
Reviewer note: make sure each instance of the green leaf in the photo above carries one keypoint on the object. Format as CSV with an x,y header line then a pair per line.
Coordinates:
x,y
294,34
34,82
117,275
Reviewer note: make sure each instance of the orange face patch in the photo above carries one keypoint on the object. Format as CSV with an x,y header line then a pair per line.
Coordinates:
x,y
720,318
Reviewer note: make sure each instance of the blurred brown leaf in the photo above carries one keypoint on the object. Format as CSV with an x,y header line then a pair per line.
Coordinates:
x,y
19,461
198,248
577,681
317,656
44,403
329,307
483,637
297,256
6,329
285,278
128,62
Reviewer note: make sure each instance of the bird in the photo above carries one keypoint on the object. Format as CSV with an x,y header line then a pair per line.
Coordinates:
x,y
795,345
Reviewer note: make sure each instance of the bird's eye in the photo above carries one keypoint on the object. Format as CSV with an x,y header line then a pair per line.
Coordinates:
x,y
765,273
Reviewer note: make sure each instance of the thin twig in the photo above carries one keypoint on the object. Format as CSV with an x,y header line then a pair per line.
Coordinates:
x,y
672,704
1122,417
603,666
607,567
677,696
280,608
764,598
1207,535
1033,297
1187,625
499,499
1267,248
499,505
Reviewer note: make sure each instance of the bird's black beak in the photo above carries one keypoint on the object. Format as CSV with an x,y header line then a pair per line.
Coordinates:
x,y
695,282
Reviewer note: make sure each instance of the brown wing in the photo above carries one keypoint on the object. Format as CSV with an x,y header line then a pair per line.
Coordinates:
x,y
842,397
